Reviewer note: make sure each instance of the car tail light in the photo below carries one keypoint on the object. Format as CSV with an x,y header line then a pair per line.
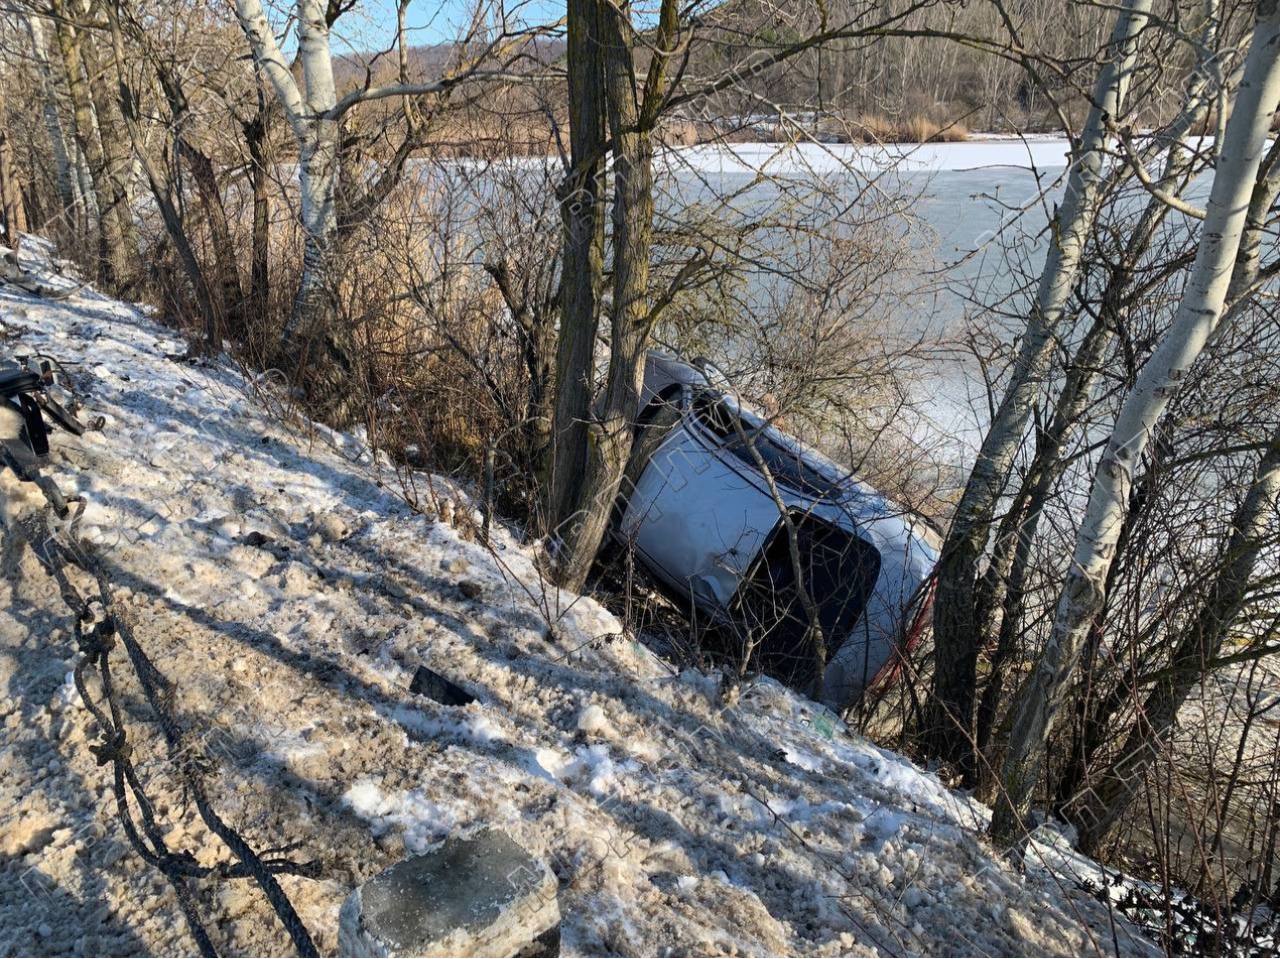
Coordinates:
x,y
892,669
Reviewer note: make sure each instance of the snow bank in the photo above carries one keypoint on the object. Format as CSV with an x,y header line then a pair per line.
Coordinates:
x,y
291,597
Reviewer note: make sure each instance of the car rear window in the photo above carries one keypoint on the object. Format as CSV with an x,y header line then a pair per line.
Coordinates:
x,y
840,570
788,465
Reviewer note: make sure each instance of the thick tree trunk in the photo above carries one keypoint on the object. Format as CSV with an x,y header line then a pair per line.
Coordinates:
x,y
632,114
609,445
315,342
948,723
314,308
581,196
1197,317
11,204
260,257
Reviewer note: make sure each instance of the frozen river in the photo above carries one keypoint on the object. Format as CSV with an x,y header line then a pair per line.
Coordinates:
x,y
953,198
961,197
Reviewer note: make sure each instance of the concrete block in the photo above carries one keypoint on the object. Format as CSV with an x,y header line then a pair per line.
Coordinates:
x,y
475,895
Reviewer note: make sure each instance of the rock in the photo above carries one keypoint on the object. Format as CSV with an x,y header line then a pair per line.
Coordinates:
x,y
256,538
429,683
330,527
471,589
476,895
593,720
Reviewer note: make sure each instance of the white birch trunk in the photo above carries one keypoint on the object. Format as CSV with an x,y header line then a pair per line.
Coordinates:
x,y
317,171
1196,319
309,114
87,199
63,176
112,261
1171,143
954,631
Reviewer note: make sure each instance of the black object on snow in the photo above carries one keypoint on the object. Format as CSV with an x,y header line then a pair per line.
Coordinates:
x,y
427,682
25,384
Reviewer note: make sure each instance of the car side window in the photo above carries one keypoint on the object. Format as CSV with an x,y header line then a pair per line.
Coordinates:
x,y
787,466
669,395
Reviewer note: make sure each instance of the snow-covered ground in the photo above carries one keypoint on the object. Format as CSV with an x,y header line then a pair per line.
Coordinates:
x,y
1031,152
982,151
291,596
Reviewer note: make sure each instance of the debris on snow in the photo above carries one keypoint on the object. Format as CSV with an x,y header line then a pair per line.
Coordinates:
x,y
431,684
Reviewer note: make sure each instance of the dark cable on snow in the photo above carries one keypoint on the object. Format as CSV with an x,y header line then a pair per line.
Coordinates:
x,y
99,623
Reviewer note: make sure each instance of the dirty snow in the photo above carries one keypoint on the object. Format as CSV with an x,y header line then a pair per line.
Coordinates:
x,y
275,577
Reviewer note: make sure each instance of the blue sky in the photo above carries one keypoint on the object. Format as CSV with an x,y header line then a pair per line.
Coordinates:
x,y
373,22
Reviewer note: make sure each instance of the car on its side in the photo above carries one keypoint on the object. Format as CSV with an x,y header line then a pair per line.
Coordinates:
x,y
703,510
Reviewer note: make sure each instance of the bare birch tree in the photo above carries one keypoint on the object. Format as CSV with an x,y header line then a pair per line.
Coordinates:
x,y
315,113
1197,317
310,110
98,139
999,599
949,721
64,176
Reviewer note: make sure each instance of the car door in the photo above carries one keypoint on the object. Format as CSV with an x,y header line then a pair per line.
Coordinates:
x,y
695,516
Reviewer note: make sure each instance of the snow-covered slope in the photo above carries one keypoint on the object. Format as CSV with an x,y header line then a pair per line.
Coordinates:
x,y
291,597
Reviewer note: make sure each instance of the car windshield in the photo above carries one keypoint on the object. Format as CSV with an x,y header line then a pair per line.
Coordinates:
x,y
785,460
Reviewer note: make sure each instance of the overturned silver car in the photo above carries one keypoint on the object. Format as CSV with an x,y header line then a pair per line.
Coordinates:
x,y
703,510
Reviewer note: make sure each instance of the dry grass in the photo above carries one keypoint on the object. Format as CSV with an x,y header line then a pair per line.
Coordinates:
x,y
917,128
923,130
477,135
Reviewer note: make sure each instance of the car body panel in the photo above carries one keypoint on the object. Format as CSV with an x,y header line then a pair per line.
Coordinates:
x,y
701,512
